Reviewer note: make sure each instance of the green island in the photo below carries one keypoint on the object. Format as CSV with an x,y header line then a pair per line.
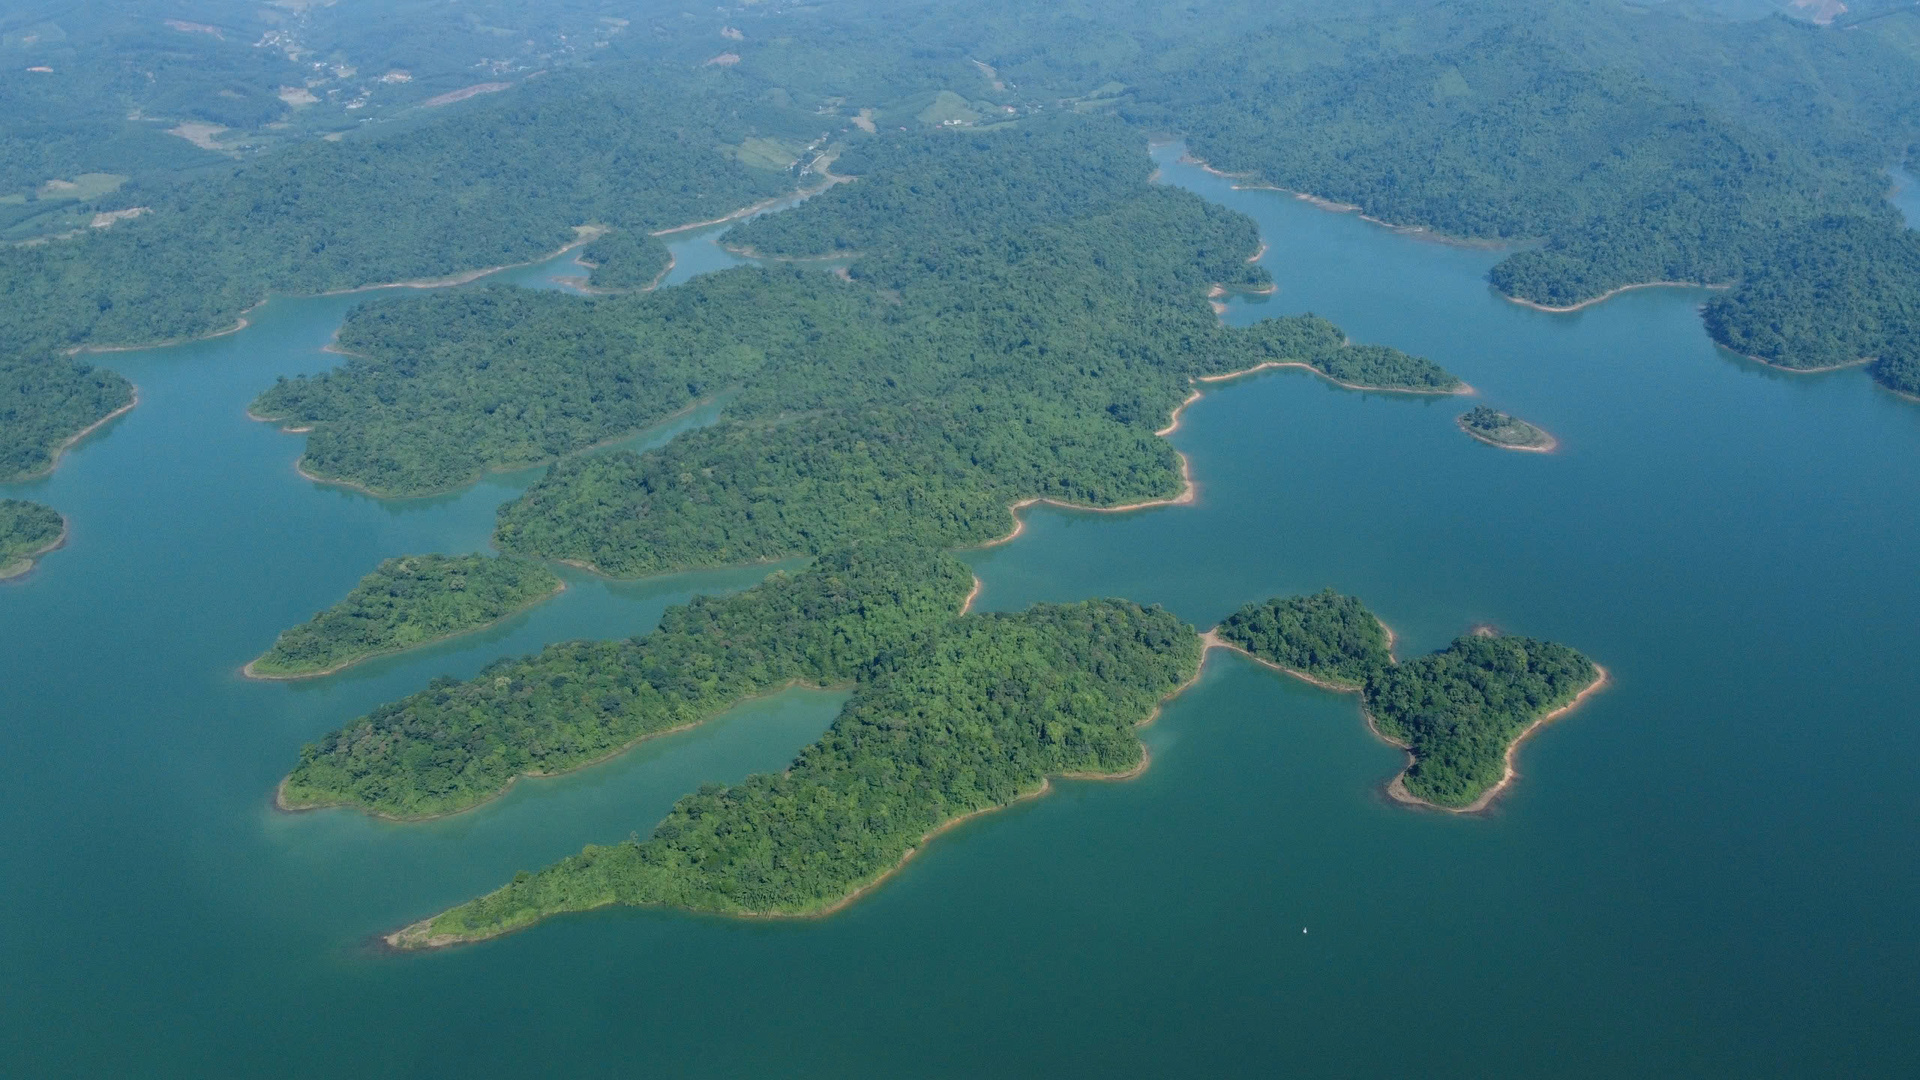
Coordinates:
x,y
1459,713
406,602
1326,638
1505,431
28,530
978,714
455,745
46,405
625,259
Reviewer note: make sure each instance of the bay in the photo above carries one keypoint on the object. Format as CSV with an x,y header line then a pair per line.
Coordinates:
x,y
1706,870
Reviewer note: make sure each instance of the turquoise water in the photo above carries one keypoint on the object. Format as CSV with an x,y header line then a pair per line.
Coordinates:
x,y
1708,870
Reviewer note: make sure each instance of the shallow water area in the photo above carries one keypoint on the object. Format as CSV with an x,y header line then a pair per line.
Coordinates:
x,y
1705,871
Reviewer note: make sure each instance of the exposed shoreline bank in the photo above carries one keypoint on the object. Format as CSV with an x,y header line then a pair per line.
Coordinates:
x,y
1397,789
73,440
248,672
25,564
1610,294
1552,444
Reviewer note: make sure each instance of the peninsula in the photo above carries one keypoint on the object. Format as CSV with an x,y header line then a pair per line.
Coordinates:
x,y
28,530
456,745
1458,712
406,603
1496,428
974,717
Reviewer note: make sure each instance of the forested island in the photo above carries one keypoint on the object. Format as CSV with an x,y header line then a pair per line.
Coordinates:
x,y
1508,432
971,718
28,530
407,602
1458,712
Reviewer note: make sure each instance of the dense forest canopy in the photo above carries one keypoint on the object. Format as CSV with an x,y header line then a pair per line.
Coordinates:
x,y
457,744
1623,143
976,357
407,602
44,402
1330,637
974,717
1461,709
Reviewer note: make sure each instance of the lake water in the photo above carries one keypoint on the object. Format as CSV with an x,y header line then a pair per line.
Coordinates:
x,y
1905,195
1708,870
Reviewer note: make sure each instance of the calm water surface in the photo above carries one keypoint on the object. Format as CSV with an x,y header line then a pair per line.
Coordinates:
x,y
1706,871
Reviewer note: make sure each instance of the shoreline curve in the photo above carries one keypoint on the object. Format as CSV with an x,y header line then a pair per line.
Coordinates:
x,y
247,672
398,940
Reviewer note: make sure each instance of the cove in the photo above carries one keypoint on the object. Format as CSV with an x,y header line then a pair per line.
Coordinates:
x,y
1705,870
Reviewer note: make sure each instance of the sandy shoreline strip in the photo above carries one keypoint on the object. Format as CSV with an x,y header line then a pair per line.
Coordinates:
x,y
967,605
1463,389
1553,443
247,672
583,235
73,440
1397,790
1188,493
1611,293
822,169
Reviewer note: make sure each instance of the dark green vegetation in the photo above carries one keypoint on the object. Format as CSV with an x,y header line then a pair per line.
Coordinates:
x,y
1846,290
406,602
499,183
1331,637
626,259
1651,147
442,387
974,717
1633,144
27,529
1494,426
44,403
123,74
456,745
976,359
1458,711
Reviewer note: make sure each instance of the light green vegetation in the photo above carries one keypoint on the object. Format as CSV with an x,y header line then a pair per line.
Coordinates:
x,y
976,716
1500,429
83,188
407,602
27,530
1330,637
45,402
456,745
1458,711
